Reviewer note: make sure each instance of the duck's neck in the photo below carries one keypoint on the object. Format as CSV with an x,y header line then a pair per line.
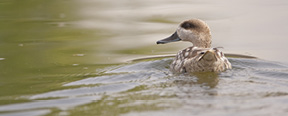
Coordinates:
x,y
203,41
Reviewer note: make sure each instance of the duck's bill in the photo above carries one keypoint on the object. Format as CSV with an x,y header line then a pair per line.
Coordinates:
x,y
173,38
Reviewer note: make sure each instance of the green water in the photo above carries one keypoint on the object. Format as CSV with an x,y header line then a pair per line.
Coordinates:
x,y
37,51
43,47
60,57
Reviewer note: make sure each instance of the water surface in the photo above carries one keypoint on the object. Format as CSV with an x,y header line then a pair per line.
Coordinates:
x,y
70,58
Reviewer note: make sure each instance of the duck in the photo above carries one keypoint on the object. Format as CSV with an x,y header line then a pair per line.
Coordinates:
x,y
200,57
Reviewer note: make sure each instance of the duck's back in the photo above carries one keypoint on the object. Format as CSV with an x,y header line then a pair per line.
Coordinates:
x,y
194,59
177,65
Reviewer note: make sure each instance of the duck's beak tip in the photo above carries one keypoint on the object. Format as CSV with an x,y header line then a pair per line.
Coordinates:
x,y
174,37
160,42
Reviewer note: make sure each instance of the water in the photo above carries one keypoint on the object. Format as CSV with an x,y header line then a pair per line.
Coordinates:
x,y
70,58
252,87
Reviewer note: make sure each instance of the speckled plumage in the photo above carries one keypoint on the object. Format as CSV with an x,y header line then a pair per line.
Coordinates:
x,y
192,59
200,57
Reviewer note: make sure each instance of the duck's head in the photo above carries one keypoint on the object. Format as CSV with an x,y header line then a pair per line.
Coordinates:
x,y
193,30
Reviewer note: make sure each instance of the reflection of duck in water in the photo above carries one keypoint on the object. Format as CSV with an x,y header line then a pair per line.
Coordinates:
x,y
200,57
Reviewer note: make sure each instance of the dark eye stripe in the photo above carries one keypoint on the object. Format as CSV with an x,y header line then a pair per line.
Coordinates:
x,y
188,25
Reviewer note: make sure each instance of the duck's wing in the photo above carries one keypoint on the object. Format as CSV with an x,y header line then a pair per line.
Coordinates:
x,y
223,59
182,56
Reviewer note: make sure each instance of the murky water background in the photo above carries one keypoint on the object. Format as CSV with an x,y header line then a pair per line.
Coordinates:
x,y
70,58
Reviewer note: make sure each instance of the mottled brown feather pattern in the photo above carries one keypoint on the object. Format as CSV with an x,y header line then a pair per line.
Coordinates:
x,y
200,57
188,60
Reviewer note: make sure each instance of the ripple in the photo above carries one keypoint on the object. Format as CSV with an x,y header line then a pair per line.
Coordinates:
x,y
251,85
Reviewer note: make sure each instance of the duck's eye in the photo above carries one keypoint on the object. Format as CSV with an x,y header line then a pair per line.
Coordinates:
x,y
202,52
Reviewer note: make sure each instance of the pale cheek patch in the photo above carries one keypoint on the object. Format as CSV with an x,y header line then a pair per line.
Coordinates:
x,y
184,34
